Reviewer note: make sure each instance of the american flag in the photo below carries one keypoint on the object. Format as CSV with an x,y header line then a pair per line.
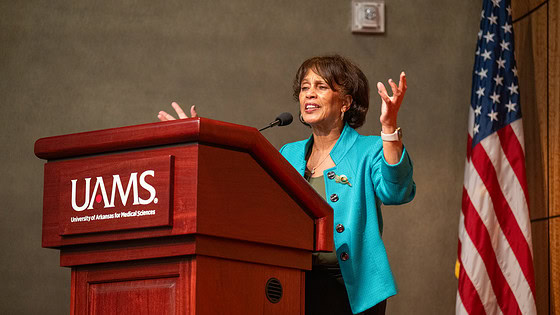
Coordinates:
x,y
495,252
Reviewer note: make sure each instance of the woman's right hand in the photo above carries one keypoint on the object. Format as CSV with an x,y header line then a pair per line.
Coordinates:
x,y
163,116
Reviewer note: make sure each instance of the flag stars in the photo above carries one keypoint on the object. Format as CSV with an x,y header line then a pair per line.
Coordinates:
x,y
504,45
501,63
476,129
489,37
493,115
511,106
493,19
513,89
495,78
507,28
478,111
495,97
486,54
482,73
498,80
480,93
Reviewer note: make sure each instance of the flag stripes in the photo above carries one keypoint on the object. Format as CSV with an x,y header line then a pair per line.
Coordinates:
x,y
476,274
513,191
507,281
514,153
483,244
469,294
504,214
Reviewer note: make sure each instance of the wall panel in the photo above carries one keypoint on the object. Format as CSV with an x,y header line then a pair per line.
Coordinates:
x,y
531,55
537,60
522,7
540,234
554,105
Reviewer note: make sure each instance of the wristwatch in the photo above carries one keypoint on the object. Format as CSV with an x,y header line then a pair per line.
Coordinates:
x,y
395,136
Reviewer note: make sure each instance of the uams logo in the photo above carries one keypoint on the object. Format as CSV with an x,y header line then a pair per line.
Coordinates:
x,y
90,197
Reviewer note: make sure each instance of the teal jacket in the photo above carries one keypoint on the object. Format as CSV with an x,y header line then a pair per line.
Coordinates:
x,y
357,210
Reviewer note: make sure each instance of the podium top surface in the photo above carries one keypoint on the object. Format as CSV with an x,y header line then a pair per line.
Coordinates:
x,y
202,130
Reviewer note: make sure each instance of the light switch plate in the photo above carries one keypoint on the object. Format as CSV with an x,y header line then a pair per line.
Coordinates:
x,y
368,16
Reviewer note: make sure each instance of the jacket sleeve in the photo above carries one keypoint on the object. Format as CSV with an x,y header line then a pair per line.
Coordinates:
x,y
393,183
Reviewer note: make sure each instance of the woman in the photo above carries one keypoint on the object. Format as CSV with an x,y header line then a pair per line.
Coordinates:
x,y
355,174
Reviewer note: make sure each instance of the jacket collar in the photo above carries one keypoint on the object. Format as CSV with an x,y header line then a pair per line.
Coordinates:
x,y
342,145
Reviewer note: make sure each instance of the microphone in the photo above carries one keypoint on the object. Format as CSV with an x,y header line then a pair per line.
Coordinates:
x,y
283,119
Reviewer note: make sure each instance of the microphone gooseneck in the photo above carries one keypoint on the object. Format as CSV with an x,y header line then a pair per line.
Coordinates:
x,y
283,119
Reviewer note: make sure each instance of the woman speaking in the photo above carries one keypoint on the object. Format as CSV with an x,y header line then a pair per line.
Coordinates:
x,y
355,174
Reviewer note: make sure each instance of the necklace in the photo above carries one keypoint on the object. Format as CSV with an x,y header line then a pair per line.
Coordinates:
x,y
323,160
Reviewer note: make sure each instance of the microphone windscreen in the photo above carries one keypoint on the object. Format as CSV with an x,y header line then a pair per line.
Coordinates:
x,y
285,119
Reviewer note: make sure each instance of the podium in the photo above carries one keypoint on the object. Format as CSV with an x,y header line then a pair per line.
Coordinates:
x,y
192,216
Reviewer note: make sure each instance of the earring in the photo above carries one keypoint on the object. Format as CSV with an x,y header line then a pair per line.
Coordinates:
x,y
301,118
342,116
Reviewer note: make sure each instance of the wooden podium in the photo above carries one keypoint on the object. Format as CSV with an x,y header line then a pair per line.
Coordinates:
x,y
191,216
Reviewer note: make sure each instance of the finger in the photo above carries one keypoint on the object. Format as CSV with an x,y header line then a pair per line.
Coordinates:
x,y
193,111
179,110
383,92
394,87
381,88
402,82
163,116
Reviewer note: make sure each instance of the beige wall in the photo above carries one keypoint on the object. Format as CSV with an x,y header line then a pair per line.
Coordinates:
x,y
72,66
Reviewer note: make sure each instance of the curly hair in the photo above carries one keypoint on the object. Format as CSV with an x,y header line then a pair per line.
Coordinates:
x,y
338,70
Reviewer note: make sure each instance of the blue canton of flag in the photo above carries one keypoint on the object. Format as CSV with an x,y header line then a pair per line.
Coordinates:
x,y
495,95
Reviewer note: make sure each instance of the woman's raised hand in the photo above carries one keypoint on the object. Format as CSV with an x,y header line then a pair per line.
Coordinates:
x,y
163,116
390,104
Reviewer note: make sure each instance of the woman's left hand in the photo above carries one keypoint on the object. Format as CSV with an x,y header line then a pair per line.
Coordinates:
x,y
390,104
